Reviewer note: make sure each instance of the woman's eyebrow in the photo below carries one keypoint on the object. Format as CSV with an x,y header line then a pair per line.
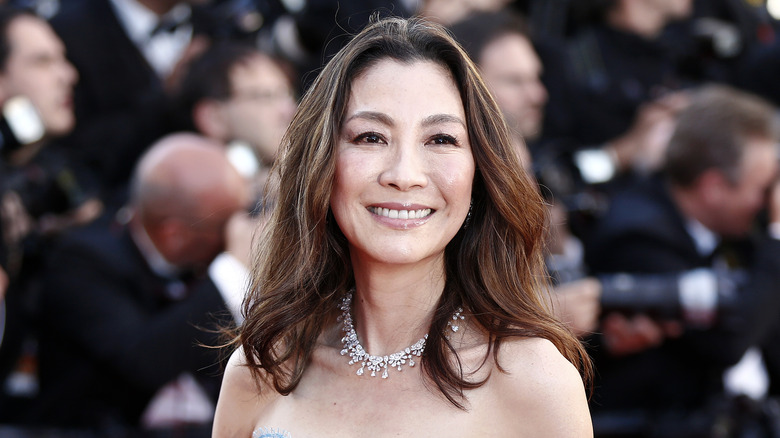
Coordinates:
x,y
372,115
433,119
437,119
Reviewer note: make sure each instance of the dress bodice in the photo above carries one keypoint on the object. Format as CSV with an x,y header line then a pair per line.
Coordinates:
x,y
270,432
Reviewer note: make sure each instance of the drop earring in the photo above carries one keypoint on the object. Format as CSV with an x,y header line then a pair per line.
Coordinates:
x,y
467,222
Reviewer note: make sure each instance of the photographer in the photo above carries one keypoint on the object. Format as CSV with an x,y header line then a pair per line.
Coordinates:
x,y
39,193
720,165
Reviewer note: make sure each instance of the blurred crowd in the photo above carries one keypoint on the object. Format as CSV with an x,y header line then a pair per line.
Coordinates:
x,y
137,138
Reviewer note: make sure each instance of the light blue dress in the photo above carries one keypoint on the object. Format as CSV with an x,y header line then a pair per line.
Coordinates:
x,y
270,432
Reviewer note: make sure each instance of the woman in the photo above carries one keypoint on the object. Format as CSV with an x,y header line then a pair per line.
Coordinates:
x,y
405,224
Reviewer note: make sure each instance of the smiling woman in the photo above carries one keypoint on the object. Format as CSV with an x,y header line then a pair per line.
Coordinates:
x,y
404,166
398,286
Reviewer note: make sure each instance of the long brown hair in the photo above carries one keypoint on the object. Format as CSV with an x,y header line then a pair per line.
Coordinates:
x,y
494,267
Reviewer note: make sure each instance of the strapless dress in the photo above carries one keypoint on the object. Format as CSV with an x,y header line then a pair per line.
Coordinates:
x,y
269,432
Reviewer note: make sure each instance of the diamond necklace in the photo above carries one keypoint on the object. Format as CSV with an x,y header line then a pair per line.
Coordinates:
x,y
373,363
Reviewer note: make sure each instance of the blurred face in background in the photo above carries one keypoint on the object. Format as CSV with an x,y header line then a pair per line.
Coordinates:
x,y
37,68
511,69
737,204
260,107
449,12
672,9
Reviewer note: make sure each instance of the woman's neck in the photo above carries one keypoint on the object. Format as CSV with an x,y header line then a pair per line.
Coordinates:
x,y
392,306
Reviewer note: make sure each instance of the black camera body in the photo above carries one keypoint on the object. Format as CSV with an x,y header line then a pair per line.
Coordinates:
x,y
698,297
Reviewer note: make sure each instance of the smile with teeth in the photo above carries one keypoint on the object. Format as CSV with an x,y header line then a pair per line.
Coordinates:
x,y
400,214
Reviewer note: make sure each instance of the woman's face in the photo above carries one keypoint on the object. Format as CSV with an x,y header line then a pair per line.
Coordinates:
x,y
404,166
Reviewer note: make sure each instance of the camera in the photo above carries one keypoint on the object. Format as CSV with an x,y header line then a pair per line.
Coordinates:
x,y
20,125
697,297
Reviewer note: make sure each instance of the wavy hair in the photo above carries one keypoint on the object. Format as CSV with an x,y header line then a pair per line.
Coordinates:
x,y
494,268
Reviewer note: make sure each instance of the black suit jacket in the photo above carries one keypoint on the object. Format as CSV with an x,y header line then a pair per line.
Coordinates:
x,y
121,106
644,232
605,76
109,335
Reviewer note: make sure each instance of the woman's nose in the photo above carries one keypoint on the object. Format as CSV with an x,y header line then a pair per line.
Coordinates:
x,y
405,167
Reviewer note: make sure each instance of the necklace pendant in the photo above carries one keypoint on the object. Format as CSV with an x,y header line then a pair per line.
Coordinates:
x,y
456,318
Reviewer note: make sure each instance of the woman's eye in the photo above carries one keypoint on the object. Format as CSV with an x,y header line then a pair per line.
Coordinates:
x,y
444,139
368,137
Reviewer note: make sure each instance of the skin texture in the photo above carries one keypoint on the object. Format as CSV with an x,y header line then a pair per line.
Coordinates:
x,y
405,163
396,147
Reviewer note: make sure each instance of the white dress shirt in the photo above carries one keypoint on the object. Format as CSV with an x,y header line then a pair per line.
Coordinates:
x,y
162,50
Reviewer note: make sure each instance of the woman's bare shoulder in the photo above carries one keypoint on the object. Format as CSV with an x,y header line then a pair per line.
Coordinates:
x,y
539,382
534,357
241,399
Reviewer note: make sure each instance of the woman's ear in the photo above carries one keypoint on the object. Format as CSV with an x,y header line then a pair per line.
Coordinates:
x,y
210,119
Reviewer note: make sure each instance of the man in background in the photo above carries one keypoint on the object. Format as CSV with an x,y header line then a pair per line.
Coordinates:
x,y
129,304
129,55
662,373
41,193
238,96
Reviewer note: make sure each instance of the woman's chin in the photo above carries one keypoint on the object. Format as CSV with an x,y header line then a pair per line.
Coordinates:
x,y
403,256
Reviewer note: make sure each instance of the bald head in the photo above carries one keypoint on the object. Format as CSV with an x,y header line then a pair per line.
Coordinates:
x,y
184,192
182,174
